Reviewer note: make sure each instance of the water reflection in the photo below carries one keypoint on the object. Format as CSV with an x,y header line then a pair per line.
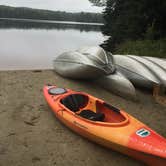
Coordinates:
x,y
21,24
34,46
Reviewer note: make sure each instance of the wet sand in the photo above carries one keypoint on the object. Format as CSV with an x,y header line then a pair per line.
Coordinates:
x,y
30,135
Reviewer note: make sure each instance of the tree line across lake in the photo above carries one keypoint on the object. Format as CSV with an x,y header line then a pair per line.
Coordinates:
x,y
28,13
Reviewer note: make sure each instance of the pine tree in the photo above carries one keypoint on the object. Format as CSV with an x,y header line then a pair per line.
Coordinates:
x,y
132,20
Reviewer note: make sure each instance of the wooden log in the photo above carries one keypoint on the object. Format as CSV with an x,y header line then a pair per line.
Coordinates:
x,y
159,94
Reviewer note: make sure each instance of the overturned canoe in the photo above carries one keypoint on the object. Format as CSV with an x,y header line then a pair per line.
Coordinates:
x,y
85,63
137,72
158,61
104,124
118,84
156,69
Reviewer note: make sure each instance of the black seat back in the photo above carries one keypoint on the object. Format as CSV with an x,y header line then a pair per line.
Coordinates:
x,y
75,101
88,114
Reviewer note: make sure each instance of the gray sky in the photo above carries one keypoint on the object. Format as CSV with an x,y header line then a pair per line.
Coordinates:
x,y
63,5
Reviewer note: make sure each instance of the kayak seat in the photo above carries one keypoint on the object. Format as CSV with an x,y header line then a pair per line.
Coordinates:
x,y
88,114
75,101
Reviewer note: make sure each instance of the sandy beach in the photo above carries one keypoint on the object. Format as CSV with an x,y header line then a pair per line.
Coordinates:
x,y
30,135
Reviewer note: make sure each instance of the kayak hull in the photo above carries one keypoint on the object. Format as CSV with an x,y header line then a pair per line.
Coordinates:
x,y
146,158
119,136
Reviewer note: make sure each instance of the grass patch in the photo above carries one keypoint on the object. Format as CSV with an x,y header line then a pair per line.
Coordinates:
x,y
154,48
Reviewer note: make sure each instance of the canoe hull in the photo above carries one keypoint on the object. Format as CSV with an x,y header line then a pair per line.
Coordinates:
x,y
85,63
142,71
155,68
159,61
135,71
118,84
77,71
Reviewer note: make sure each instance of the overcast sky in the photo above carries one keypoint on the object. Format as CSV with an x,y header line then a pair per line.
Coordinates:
x,y
63,5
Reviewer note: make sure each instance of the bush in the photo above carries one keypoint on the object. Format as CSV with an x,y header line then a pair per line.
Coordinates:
x,y
155,48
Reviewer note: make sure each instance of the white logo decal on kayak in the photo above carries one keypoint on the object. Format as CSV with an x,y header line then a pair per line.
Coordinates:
x,y
143,132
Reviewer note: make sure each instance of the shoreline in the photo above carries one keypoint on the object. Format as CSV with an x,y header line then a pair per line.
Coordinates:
x,y
52,21
31,135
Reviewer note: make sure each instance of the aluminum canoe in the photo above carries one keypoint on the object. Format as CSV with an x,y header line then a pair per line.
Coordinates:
x,y
118,84
137,72
84,63
158,61
157,69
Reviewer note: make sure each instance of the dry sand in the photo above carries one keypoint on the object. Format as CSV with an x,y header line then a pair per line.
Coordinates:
x,y
30,135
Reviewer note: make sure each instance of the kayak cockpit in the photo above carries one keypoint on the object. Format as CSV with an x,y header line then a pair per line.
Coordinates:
x,y
112,114
92,109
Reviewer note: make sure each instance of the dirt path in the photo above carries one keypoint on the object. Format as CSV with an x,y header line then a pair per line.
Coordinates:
x,y
31,136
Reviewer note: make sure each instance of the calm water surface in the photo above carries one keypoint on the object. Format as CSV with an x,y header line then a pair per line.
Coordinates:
x,y
34,46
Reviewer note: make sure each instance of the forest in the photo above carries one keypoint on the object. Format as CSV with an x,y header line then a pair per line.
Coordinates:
x,y
135,27
28,13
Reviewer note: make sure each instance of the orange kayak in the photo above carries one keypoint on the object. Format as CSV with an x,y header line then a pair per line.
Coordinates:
x,y
106,125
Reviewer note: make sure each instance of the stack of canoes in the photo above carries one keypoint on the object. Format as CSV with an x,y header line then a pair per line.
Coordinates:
x,y
93,63
116,73
142,71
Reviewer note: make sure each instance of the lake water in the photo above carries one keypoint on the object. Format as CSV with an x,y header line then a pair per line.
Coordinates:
x,y
30,45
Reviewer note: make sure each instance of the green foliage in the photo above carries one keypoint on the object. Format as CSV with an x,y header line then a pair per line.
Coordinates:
x,y
133,20
155,48
28,13
98,2
150,33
